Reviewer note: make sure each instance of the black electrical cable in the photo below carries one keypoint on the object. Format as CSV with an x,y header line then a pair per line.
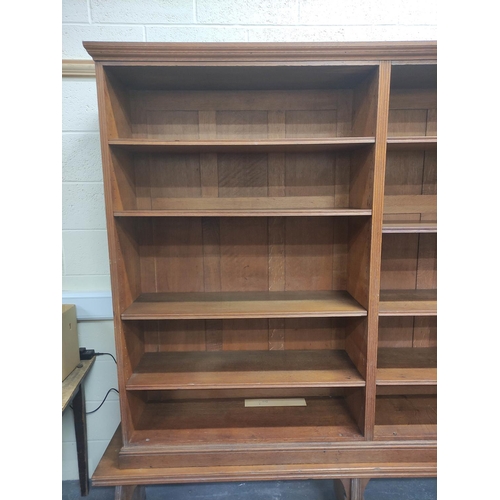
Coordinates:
x,y
93,411
106,354
105,397
112,389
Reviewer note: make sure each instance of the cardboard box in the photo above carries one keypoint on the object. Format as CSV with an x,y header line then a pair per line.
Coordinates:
x,y
70,346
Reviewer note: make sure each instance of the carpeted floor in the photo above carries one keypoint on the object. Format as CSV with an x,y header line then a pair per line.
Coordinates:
x,y
377,489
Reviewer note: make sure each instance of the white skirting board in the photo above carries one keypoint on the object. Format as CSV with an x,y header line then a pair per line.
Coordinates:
x,y
90,306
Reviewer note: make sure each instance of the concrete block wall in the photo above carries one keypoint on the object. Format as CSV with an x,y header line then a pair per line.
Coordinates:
x,y
84,242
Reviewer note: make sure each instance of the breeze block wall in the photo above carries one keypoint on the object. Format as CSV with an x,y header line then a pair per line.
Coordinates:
x,y
84,243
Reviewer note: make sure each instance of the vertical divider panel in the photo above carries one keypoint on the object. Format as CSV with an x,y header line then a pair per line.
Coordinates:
x,y
126,288
123,181
359,262
116,104
382,107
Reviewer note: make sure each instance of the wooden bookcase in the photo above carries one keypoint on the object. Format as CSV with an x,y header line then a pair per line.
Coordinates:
x,y
271,215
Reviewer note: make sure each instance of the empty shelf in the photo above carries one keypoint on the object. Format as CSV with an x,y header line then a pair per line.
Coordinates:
x,y
406,143
222,305
244,369
226,422
408,303
243,146
407,366
246,207
406,417
396,226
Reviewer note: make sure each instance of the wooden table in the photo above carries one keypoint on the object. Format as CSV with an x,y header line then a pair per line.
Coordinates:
x,y
73,391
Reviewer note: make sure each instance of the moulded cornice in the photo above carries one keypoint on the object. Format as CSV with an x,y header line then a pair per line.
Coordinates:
x,y
260,52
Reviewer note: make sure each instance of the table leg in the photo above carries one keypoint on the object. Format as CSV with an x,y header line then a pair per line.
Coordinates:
x,y
80,420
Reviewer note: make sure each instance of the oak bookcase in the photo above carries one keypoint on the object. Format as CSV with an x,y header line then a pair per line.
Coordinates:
x,y
271,217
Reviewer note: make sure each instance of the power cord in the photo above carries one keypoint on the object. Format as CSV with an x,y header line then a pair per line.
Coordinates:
x,y
106,354
93,411
91,352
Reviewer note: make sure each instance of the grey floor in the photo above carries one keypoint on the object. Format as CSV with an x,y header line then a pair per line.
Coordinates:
x,y
377,489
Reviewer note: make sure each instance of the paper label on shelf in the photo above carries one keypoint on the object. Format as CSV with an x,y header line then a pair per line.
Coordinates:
x,y
252,403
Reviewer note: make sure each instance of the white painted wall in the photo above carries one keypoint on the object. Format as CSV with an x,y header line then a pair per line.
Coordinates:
x,y
84,243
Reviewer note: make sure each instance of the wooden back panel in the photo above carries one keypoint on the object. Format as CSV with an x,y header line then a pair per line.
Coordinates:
x,y
255,334
197,254
409,262
412,112
178,115
411,185
410,331
147,181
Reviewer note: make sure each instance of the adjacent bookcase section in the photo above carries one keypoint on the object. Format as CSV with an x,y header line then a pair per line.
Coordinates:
x,y
244,186
410,184
407,335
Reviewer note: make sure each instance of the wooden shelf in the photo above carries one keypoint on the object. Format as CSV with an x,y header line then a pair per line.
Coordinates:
x,y
242,146
406,417
407,143
408,303
248,207
244,369
226,422
407,366
223,305
396,226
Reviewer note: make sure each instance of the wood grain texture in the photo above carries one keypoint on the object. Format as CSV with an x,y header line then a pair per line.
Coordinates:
x,y
245,205
244,369
228,422
407,366
374,279
225,305
180,335
399,261
406,417
395,331
413,143
395,226
276,454
408,204
411,189
259,145
117,106
130,52
408,302
194,254
263,207
124,287
72,382
407,331
407,461
242,334
425,332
